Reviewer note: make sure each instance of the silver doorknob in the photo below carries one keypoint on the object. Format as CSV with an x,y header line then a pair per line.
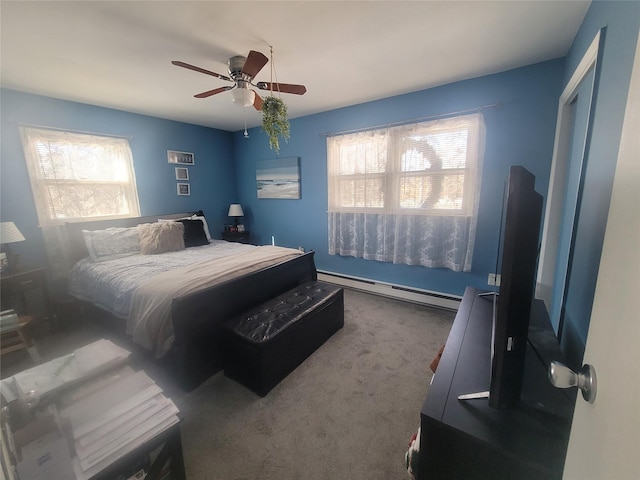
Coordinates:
x,y
562,376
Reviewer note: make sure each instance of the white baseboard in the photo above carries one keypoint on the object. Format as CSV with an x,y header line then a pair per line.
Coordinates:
x,y
409,294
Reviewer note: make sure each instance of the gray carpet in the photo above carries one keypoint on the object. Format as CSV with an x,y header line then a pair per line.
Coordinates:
x,y
347,412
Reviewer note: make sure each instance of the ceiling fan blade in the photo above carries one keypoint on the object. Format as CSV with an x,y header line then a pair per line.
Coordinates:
x,y
201,70
282,87
212,92
254,63
257,102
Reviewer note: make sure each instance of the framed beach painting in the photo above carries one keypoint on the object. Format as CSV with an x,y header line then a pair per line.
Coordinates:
x,y
278,178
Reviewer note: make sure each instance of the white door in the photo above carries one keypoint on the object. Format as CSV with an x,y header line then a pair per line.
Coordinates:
x,y
605,436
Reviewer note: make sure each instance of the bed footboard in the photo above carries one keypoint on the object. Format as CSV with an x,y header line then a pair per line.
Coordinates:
x,y
196,353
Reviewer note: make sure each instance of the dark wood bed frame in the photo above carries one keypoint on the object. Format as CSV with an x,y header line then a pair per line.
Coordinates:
x,y
196,353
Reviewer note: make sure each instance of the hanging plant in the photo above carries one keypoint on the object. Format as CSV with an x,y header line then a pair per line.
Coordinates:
x,y
275,121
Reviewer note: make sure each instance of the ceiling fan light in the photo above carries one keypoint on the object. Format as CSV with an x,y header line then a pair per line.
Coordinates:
x,y
243,97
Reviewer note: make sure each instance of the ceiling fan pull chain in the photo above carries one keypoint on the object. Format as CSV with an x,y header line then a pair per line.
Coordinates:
x,y
246,134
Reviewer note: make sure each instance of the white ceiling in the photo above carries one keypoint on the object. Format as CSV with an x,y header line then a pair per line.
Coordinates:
x,y
118,54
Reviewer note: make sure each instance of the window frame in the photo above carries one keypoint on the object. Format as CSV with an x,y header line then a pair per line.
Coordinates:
x,y
42,183
393,175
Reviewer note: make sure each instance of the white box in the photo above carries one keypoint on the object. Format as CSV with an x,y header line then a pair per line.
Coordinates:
x,y
42,451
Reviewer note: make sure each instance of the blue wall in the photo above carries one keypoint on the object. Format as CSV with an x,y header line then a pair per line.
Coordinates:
x,y
212,177
521,131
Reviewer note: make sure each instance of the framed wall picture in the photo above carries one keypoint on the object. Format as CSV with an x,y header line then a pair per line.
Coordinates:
x,y
182,173
184,189
183,158
279,178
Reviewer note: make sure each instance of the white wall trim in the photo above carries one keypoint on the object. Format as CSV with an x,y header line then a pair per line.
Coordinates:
x,y
557,180
584,67
399,292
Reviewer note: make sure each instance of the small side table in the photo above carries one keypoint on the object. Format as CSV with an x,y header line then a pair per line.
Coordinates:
x,y
239,237
14,339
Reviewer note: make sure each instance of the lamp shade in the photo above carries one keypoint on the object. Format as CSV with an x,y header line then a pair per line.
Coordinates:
x,y
243,97
235,210
9,233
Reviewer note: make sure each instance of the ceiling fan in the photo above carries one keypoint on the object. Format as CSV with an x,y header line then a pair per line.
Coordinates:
x,y
242,71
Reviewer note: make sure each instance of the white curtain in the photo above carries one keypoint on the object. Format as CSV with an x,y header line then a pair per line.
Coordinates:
x,y
79,176
435,242
375,216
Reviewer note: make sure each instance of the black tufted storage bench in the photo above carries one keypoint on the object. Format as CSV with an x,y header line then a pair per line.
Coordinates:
x,y
268,342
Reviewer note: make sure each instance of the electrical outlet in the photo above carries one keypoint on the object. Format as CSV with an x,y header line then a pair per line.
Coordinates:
x,y
492,279
498,280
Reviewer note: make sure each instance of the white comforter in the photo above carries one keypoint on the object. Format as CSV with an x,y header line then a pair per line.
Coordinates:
x,y
112,284
150,314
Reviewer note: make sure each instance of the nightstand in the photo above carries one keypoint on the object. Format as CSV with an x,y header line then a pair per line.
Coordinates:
x,y
25,290
240,237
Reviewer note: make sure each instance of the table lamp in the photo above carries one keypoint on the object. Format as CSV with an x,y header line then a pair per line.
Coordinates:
x,y
235,210
9,233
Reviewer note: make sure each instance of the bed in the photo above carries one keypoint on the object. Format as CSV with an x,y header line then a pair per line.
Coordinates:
x,y
171,301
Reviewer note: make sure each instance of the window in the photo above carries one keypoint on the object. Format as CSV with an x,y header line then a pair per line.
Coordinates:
x,y
406,194
423,169
79,176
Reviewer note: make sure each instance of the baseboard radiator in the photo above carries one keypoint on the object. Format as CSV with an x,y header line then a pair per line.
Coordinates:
x,y
409,294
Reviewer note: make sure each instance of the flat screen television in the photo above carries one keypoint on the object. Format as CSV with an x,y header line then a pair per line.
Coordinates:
x,y
517,264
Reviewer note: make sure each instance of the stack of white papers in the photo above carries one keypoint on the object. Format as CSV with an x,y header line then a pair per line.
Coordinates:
x,y
84,363
110,422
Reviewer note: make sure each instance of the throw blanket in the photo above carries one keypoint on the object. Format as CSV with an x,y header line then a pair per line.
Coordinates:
x,y
150,313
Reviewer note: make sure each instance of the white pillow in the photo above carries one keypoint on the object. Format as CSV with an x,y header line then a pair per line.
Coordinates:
x,y
192,217
113,242
161,237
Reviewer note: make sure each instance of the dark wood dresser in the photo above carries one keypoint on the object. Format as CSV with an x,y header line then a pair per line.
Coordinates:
x,y
467,439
